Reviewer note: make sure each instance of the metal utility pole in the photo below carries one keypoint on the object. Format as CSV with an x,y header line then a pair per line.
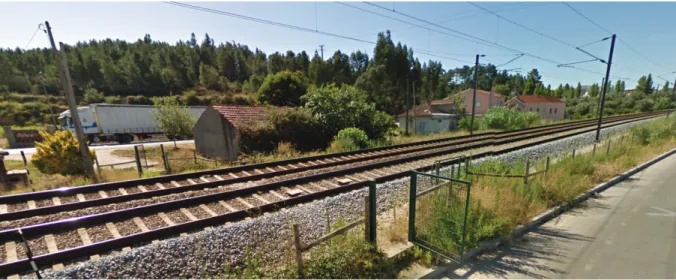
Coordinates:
x,y
64,73
407,107
476,74
321,48
598,103
415,125
673,87
605,86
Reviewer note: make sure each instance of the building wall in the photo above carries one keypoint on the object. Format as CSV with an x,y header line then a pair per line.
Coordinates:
x,y
482,101
215,137
426,125
549,111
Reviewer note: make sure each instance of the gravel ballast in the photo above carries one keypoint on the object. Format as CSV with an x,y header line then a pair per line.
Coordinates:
x,y
204,254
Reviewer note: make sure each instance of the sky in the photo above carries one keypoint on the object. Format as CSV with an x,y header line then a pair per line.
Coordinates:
x,y
645,27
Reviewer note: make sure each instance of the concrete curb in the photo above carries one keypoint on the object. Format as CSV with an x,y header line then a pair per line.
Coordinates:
x,y
544,217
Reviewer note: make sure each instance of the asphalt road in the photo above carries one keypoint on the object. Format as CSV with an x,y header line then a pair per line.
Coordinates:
x,y
628,232
108,146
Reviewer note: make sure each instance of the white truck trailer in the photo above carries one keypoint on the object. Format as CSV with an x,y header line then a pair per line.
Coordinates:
x,y
118,122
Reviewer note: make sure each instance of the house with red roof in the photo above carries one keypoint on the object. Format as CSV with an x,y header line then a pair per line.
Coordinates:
x,y
549,107
216,132
433,117
484,100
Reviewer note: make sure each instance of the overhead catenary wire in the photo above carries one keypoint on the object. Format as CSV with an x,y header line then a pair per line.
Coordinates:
x,y
488,43
284,25
619,38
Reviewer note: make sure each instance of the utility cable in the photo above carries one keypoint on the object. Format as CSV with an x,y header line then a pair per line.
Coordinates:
x,y
34,33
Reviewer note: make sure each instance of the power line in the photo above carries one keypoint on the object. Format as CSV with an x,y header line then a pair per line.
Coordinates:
x,y
492,44
620,39
34,33
517,57
606,38
279,24
588,19
522,26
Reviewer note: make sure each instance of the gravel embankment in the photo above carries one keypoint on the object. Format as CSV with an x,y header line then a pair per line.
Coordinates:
x,y
204,254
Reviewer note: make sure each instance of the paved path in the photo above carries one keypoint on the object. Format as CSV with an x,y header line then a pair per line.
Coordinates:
x,y
628,232
15,154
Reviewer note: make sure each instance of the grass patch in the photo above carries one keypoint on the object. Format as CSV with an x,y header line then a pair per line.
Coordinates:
x,y
43,181
499,204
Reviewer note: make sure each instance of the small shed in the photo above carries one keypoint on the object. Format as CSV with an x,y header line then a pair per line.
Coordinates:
x,y
216,132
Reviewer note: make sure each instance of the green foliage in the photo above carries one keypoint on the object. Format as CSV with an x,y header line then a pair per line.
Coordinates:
x,y
92,96
354,111
173,117
355,135
466,122
505,118
283,89
296,126
59,153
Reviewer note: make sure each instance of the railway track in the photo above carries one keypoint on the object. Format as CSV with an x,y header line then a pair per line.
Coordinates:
x,y
67,225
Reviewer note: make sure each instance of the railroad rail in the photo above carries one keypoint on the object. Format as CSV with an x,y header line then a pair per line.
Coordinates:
x,y
206,199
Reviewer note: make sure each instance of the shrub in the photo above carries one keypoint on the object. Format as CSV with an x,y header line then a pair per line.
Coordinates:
x,y
59,153
283,89
505,118
91,95
139,100
355,135
464,123
296,126
113,100
173,117
341,145
337,108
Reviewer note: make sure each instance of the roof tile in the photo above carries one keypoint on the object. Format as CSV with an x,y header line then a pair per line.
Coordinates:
x,y
538,99
239,114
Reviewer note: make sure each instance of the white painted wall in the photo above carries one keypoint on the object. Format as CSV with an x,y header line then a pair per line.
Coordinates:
x,y
425,125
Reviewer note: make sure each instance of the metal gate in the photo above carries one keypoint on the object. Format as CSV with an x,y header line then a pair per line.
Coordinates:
x,y
438,210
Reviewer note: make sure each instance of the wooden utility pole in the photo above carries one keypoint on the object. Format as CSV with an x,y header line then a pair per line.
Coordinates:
x,y
64,73
321,48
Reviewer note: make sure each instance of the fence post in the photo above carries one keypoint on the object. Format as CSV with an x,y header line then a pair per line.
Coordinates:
x,y
594,150
299,250
546,166
98,165
145,158
372,212
328,221
164,160
573,153
23,156
411,206
367,219
194,155
608,150
525,176
139,168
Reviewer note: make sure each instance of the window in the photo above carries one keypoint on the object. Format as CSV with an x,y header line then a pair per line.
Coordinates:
x,y
555,110
530,109
538,110
439,121
478,104
550,110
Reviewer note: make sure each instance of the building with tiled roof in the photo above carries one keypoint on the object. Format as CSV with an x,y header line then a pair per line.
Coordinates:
x,y
216,132
549,107
433,117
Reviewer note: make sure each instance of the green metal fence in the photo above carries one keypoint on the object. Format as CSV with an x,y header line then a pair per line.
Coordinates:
x,y
438,210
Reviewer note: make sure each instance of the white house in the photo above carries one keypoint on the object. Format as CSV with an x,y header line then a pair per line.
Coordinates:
x,y
434,117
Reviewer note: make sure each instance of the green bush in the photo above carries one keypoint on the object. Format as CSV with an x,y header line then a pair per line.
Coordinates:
x,y
341,107
91,96
139,100
296,126
283,89
59,153
355,135
464,123
505,118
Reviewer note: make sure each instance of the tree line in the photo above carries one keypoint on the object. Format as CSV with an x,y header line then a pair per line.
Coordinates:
x,y
148,68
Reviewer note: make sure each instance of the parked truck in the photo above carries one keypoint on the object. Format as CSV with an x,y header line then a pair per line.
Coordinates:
x,y
118,122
